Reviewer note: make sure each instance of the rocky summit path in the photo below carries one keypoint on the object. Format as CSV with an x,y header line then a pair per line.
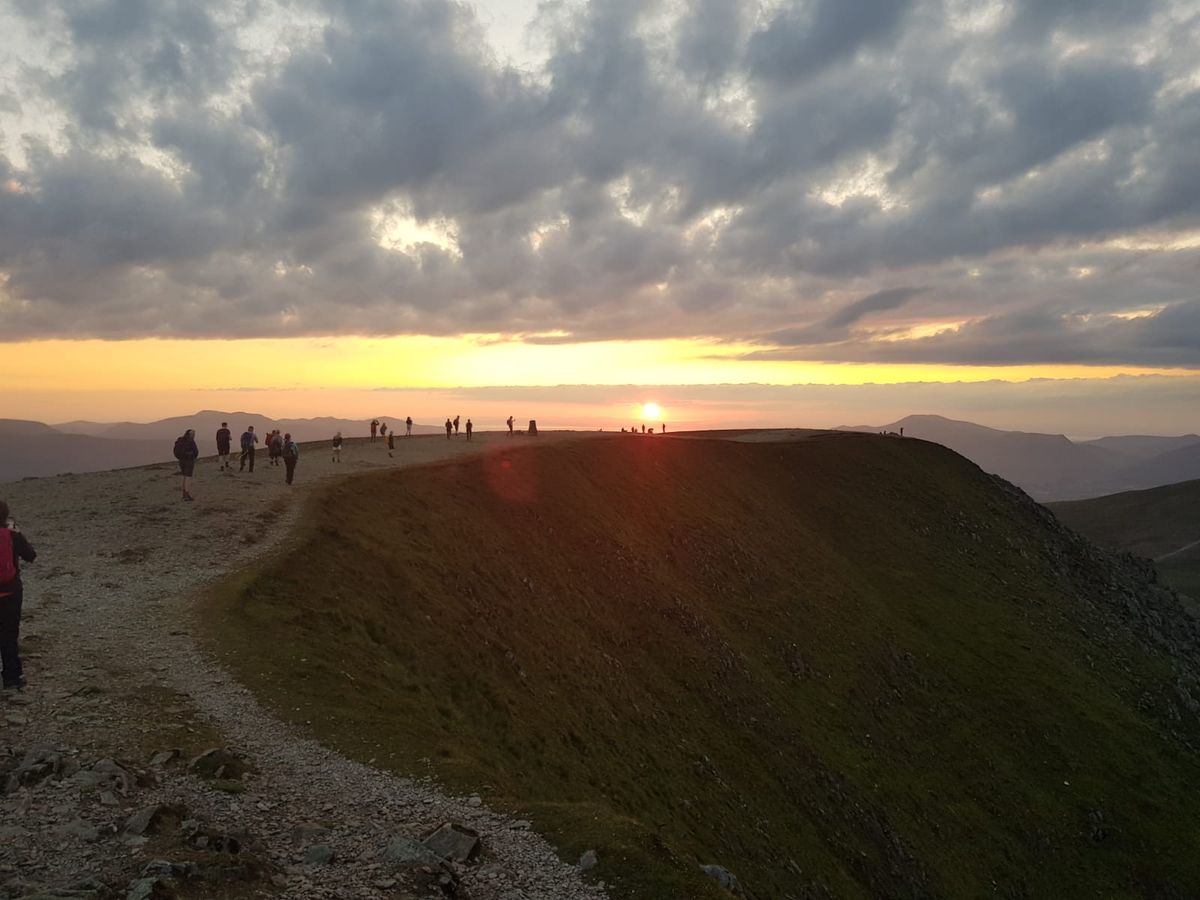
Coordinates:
x,y
105,786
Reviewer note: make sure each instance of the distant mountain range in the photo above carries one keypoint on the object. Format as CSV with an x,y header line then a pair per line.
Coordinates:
x,y
1053,467
35,449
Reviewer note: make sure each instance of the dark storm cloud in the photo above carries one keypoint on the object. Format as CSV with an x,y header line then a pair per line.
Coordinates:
x,y
717,169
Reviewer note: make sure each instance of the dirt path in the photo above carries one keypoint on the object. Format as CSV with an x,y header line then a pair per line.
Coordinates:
x,y
114,672
1184,549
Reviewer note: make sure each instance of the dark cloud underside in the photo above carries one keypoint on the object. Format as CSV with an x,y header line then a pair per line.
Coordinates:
x,y
824,178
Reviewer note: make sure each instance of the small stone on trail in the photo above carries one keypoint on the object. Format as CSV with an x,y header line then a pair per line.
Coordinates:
x,y
163,757
454,842
401,850
303,834
319,855
724,878
588,860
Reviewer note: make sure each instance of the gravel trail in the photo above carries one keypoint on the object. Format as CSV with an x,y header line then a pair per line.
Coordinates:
x,y
114,673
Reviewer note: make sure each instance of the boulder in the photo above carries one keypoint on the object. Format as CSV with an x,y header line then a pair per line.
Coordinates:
x,y
152,819
454,842
588,860
319,855
401,850
724,878
219,763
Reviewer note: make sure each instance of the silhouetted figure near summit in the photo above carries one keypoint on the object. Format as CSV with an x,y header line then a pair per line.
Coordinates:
x,y
510,424
383,432
456,424
249,439
290,451
408,427
374,429
13,549
470,428
224,441
186,452
391,442
449,428
643,428
337,447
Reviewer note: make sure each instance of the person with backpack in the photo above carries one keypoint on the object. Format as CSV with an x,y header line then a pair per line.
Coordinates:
x,y
374,429
337,447
275,447
391,442
290,451
449,427
224,439
13,548
186,452
408,427
456,424
470,428
383,432
249,439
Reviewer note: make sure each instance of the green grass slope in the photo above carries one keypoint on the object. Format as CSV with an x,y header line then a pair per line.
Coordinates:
x,y
1162,524
846,667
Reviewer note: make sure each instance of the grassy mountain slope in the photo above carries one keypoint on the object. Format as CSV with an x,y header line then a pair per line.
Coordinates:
x,y
842,667
1161,523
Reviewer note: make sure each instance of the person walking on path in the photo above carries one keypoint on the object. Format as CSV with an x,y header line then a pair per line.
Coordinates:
x,y
13,549
275,447
456,424
449,428
383,432
391,441
224,440
337,447
510,423
408,427
249,439
186,452
290,451
470,428
374,429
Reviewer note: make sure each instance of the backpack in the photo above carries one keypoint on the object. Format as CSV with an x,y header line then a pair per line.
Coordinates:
x,y
8,557
291,451
247,440
181,448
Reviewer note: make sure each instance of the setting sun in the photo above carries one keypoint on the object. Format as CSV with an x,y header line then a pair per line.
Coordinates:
x,y
651,411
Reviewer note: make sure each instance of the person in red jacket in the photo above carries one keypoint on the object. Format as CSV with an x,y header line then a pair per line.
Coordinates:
x,y
13,548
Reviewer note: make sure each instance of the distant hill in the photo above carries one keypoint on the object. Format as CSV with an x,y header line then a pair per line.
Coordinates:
x,y
1143,446
38,455
207,421
1053,467
841,666
22,428
34,449
1162,523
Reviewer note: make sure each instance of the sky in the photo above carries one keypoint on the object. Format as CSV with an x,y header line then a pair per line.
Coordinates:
x,y
800,212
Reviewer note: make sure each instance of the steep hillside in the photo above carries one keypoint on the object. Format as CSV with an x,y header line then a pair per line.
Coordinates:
x,y
840,667
1162,523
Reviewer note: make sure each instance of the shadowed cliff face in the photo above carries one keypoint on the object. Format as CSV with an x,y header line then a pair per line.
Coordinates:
x,y
849,666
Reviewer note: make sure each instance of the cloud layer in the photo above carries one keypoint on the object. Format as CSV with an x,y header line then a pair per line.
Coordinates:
x,y
864,180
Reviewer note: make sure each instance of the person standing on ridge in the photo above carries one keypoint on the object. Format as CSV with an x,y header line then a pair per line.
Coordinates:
x,y
391,442
290,451
449,428
224,440
249,439
470,428
186,452
510,423
408,427
337,447
374,429
383,432
456,424
13,548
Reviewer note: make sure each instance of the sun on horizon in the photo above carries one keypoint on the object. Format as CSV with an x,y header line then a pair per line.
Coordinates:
x,y
651,411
